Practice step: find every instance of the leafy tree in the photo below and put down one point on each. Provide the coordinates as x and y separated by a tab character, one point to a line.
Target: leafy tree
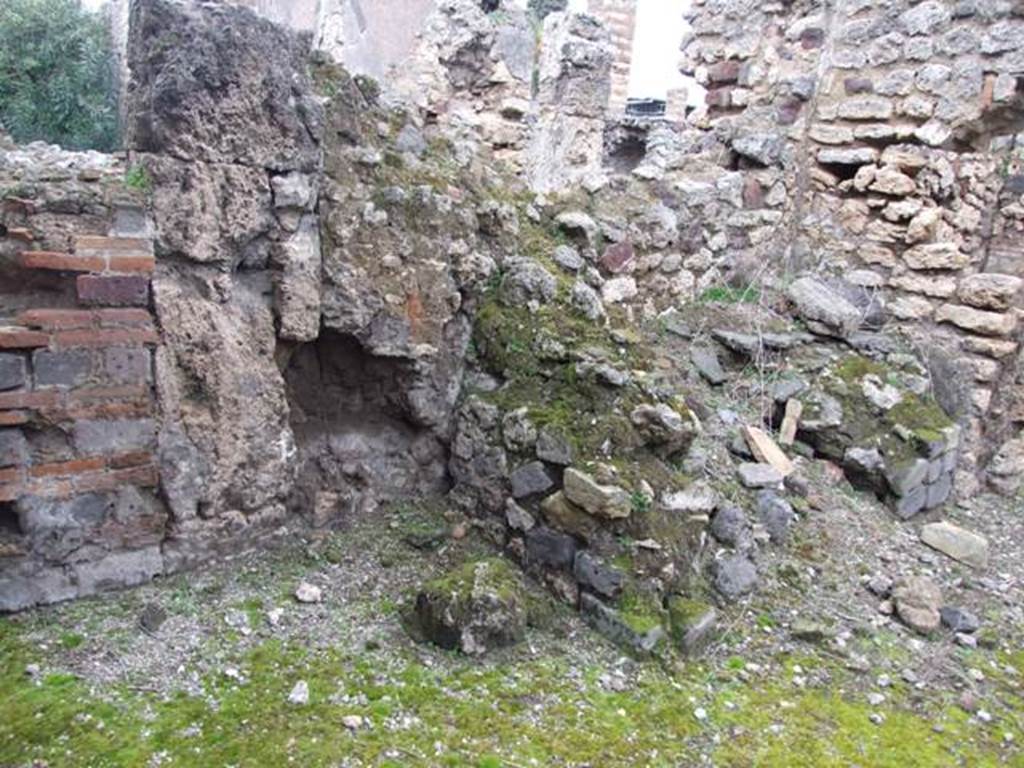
541	8
57	78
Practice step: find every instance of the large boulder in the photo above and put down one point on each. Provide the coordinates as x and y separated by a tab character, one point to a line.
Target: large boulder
480	606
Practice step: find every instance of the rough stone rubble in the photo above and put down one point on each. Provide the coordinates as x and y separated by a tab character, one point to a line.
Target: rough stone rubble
354	303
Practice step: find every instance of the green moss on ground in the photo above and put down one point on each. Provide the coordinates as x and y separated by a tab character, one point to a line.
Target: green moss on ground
918	416
493	575
520	711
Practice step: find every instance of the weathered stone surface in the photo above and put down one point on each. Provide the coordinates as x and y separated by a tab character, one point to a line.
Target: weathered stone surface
225	442
663	428
596	576
892	181
691	623
209	213
966	546
12	371
775	514
568	258
105	437
936	256
217	84
604	501
816	301
959	620
917	601
705	360
308	593
729	526
640	637
549	548
525	280
619	257
554	448
618	290
63	369
866	108
13	448
759	475
562	514
586	300
518	519
990	291
734	576
856	156
530	480
977	320
480	606
763	148
299	284
698	498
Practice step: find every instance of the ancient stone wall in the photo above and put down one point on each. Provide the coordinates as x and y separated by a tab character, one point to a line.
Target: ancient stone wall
78	467
898	128
257	320
619	18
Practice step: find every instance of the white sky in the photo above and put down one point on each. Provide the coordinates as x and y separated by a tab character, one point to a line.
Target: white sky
659	29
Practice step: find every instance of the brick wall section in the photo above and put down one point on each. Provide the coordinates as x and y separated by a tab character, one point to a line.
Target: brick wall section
81	366
78	472
619	17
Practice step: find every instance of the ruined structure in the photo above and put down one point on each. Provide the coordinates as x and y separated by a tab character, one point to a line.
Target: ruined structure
294	301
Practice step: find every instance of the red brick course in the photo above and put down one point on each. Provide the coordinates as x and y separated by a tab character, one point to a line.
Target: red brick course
103	337
13	418
69	478
14	337
77	262
62	319
61	262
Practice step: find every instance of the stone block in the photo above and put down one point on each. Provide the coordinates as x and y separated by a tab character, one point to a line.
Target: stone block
956	542
594	575
639	637
122	569
12	371
531	479
63	369
936	256
866	108
909	505
113	290
13	448
550	548
939	491
990	291
93	437
977	320
127	365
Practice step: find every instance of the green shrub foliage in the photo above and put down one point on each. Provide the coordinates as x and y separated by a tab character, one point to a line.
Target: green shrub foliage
57	75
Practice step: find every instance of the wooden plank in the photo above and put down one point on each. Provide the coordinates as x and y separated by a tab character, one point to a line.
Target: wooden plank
766	451
791	421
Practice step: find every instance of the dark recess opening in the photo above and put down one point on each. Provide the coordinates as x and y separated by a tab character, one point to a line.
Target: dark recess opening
10	527
357	444
625	147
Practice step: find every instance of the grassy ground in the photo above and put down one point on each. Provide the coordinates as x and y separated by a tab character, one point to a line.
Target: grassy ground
82	685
